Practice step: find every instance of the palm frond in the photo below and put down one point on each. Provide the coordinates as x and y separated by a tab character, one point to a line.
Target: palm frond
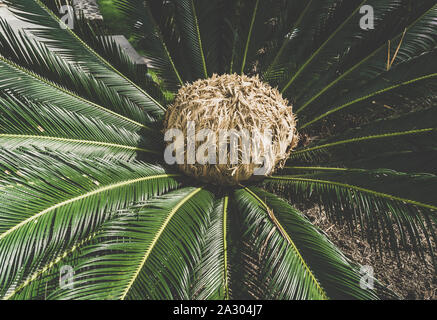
38	59
151	40
212	275
367	56
147	253
396	205
336	18
57	35
253	25
299	262
215	22
26	123
249	36
54	201
291	18
289	275
406	80
107	47
24	82
412	135
187	22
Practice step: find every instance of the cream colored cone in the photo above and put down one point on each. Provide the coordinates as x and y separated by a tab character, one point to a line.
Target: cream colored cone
234	102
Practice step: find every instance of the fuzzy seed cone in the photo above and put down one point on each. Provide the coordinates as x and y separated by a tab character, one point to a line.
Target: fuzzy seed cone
232	102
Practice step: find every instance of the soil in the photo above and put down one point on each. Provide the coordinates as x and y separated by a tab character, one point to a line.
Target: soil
410	278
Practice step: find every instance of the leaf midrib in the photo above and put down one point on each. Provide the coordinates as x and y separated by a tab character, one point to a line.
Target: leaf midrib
249	37
37	77
156	239
49	265
368	96
199	38
379	136
289	240
357	188
80	141
81	197
311	58
225	247
94	53
357	65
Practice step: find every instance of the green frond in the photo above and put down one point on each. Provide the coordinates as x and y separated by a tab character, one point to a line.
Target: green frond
367	58
46	64
212	276
216	32
67	44
151	40
333	275
249	36
46	278
360	76
289	274
24	82
108	48
399	80
26	123
55	201
188	25
342	25
147	253
287	35
253	25
391	207
299	153
382	143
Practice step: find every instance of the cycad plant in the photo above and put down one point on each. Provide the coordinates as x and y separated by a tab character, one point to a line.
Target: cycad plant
89	209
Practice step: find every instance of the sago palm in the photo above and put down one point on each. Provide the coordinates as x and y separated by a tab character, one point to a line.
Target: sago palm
83	182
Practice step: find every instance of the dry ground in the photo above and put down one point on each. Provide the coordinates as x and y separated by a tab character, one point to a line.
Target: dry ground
409	279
